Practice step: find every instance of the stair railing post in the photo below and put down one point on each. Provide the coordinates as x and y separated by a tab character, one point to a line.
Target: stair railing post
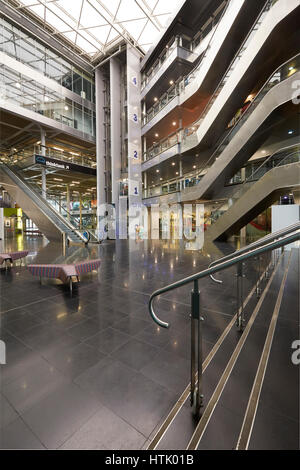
240	296
196	350
258	289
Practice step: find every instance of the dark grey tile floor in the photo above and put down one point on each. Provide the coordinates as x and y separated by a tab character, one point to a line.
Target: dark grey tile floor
92	371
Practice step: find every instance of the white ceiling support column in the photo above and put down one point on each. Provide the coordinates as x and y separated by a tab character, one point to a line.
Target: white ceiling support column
100	144
134	128
115	128
43	152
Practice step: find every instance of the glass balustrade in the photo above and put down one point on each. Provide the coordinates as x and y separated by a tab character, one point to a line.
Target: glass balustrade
254	172
161	146
189	133
181	83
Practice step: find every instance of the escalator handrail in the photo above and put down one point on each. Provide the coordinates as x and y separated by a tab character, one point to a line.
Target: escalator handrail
46	203
246	113
263	241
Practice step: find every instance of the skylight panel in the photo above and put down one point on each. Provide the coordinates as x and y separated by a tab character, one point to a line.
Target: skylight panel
94	24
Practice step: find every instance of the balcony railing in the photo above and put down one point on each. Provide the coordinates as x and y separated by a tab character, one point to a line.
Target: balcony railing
162	146
181	83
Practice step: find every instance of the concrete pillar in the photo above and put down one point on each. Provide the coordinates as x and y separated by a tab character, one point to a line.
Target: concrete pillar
180	175
43	152
68	202
145	184
115	128
1	224
134	128
100	143
80	211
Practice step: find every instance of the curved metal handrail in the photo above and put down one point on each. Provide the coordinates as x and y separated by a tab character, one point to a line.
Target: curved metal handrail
263	241
219	267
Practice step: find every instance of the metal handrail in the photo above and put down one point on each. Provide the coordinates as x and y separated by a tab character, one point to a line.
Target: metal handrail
219	267
263	241
46	204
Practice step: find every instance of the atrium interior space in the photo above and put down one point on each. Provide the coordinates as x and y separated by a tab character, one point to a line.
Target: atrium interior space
149	227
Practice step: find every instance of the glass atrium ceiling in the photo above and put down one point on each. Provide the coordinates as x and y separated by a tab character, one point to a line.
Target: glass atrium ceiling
95	25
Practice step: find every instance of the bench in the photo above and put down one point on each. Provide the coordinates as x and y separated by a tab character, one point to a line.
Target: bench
11	257
63	272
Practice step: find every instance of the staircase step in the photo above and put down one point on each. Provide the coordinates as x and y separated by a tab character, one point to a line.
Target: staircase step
276	423
222	427
177	435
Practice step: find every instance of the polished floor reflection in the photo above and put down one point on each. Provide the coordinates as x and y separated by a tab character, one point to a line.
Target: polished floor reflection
92	370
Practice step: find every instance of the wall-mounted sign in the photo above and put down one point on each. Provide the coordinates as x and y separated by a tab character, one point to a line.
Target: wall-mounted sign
61	165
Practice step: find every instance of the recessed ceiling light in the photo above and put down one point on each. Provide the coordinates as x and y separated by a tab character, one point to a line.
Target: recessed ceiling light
171	82
291	132
177	173
173	163
18	85
155	99
174	123
157	171
156	135
67	108
194	167
46	98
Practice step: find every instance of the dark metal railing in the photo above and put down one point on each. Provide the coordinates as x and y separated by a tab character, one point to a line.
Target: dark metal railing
287	236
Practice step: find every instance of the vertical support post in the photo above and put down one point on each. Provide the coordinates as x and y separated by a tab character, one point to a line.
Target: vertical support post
80	211
68	202
100	145
196	351
258	289
43	152
240	297
115	132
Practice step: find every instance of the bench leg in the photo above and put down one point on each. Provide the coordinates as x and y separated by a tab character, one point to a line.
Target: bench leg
71	285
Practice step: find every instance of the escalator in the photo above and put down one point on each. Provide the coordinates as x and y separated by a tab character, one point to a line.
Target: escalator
249	132
257	193
50	222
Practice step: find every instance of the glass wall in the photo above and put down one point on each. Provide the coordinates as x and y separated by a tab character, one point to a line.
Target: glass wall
29	51
21	90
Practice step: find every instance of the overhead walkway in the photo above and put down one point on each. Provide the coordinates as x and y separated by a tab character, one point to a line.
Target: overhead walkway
209	68
255	196
233	86
28	196
248	133
246	390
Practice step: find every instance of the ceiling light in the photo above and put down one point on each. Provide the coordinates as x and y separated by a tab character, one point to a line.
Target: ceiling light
264	151
171	82
155	99
67	108
291	132
173	164
156	135
194	167
157	171
58	148
177	173
160	179
291	68
46	98
18	85
174	123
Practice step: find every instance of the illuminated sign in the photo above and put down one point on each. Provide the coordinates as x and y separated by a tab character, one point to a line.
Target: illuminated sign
61	165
